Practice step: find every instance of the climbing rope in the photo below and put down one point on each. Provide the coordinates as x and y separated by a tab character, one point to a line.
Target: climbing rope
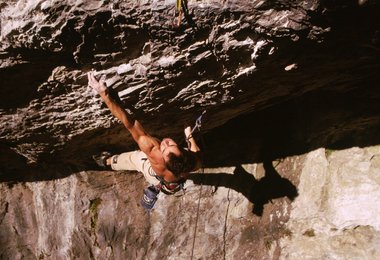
197	217
197	126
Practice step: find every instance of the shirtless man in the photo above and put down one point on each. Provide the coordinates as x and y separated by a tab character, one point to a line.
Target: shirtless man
164	163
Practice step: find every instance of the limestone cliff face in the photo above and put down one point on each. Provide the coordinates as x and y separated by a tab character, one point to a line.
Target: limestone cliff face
245	212
291	92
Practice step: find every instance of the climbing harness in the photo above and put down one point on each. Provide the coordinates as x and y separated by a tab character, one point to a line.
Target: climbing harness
170	188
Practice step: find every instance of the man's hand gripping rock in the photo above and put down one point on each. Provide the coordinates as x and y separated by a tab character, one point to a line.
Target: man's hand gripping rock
98	85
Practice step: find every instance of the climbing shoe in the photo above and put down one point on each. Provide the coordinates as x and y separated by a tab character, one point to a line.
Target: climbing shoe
101	159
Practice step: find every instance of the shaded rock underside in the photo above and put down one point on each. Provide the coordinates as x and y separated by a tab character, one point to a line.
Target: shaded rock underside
308	71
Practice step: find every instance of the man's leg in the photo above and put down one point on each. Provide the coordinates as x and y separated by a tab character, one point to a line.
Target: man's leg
134	161
130	161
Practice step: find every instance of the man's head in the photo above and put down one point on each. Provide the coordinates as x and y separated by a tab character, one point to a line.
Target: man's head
176	164
173	156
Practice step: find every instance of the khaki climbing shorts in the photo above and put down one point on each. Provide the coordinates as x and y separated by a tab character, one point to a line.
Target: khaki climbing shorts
134	161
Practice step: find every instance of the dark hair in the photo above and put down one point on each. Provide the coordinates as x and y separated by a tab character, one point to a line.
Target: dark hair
176	164
180	164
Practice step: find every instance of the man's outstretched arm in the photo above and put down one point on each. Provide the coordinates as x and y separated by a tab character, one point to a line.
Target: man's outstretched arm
145	141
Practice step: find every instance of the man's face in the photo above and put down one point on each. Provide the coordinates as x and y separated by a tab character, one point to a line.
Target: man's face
168	146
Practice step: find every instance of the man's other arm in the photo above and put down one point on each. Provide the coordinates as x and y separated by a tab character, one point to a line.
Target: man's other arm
194	148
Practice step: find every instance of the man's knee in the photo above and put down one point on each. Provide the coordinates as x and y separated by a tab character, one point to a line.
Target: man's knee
114	159
125	161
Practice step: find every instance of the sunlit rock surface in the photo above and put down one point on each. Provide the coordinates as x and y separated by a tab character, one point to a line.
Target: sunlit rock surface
334	213
290	136
337	215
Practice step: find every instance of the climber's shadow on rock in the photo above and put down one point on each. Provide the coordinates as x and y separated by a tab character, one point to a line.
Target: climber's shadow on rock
259	192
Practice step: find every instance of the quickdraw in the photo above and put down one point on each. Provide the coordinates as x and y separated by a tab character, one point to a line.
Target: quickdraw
181	6
198	122
197	126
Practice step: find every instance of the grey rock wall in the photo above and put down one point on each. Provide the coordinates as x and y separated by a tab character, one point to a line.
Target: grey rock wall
290	136
340	191
333	213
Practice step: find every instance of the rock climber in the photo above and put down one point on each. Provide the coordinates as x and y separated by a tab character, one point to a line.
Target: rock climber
163	163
